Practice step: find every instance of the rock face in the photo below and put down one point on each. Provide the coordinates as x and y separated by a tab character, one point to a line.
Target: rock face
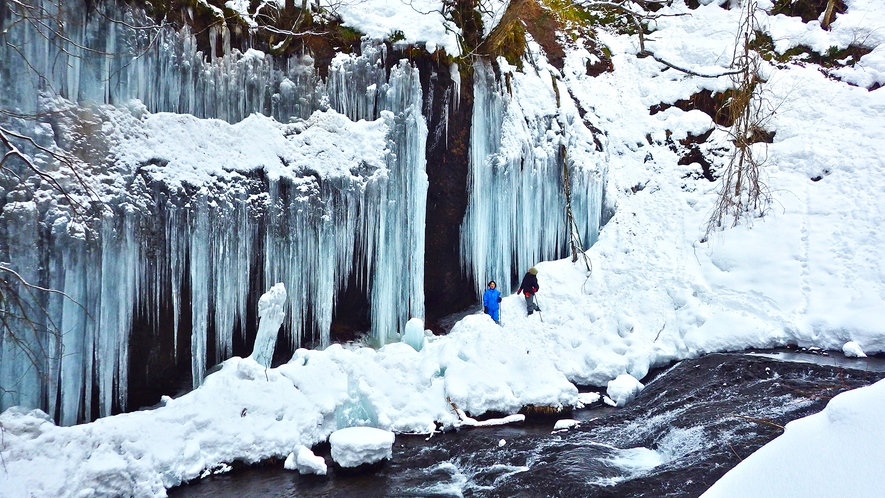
448	109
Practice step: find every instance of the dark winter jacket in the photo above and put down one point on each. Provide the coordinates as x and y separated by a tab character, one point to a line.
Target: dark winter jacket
490	299
529	285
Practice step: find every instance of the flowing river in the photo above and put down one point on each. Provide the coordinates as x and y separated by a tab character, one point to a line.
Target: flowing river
692	423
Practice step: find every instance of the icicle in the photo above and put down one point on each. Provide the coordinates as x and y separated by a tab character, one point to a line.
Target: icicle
455	74
72	334
20	377
113	309
213	42
225	38
397	291
479	230
517	161
176	253
199	275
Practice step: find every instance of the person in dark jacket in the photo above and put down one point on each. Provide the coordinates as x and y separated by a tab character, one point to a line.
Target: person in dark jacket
491	301
529	287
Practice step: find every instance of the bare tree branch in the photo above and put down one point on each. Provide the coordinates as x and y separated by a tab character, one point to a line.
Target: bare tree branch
690	72
743	194
636	18
6	136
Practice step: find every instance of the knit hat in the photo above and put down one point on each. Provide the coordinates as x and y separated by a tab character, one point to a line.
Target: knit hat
533	271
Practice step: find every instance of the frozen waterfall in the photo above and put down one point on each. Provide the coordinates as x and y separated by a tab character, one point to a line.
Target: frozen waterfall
516	212
177	262
200	249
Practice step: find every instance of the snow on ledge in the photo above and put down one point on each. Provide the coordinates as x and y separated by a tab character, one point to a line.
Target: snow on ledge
472	422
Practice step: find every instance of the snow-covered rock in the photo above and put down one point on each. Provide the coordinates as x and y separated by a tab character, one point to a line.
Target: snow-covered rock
565	424
852	349
306	462
588	399
623	389
466	421
357	446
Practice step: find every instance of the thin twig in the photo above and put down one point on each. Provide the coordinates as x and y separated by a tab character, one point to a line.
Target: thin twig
735	452
759	421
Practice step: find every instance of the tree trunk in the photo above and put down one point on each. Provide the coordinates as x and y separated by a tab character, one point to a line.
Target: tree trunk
828	15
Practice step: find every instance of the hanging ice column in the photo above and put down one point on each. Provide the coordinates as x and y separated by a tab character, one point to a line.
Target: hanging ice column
516	211
393	226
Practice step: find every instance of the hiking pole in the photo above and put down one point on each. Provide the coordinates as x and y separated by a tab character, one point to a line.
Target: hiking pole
538	308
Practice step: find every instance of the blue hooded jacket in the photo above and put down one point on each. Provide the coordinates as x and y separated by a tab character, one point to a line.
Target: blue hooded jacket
491	298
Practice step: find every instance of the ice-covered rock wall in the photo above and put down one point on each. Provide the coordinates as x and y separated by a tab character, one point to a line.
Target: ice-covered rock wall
523	136
173	259
141	243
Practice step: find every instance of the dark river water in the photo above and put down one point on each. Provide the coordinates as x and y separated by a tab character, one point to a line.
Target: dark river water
692	423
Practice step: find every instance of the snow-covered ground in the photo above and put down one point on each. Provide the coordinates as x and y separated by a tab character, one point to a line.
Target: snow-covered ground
837	452
810	273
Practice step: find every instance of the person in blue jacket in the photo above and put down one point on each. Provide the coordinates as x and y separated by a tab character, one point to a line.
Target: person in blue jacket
491	301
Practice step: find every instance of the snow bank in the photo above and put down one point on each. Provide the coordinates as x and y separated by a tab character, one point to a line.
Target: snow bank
831	453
